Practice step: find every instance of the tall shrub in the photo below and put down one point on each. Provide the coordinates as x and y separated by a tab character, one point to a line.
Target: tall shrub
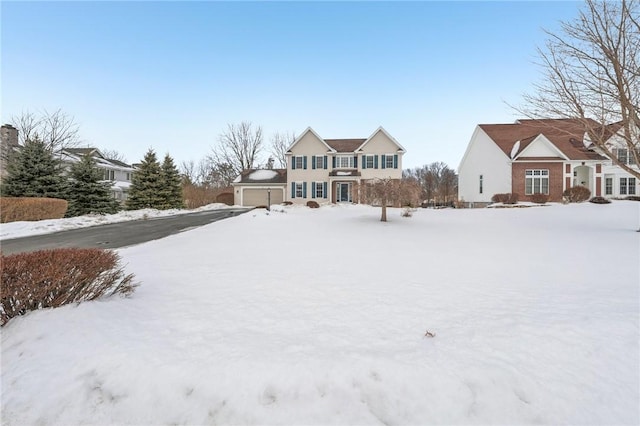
146	184
32	171
85	191
171	185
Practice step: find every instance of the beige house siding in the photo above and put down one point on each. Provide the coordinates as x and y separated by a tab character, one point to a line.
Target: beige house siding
310	145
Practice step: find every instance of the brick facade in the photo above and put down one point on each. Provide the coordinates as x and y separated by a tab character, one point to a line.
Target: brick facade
555	179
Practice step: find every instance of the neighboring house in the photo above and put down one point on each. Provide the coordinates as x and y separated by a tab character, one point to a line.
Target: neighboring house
117	172
541	156
325	170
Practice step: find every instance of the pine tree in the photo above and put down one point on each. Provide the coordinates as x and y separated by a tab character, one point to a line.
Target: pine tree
146	184
85	191
33	171
171	185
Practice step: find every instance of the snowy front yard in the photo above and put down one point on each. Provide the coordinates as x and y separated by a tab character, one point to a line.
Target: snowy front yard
319	317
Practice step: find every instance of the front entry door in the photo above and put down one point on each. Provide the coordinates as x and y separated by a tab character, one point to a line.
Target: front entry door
343	192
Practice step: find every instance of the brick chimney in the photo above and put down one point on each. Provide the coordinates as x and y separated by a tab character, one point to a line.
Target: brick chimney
9	135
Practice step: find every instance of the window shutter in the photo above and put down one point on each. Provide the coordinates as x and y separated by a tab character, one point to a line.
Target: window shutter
375	161
355	161
313	190
364	162
293	190
395	161
304	189
304	162
293	162
384	162
333	162
325	162
313	161
324	190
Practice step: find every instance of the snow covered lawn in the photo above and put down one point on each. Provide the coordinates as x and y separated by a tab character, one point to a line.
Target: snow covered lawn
318	317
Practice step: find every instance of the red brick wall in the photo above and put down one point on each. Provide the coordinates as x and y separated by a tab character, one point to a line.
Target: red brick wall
555	179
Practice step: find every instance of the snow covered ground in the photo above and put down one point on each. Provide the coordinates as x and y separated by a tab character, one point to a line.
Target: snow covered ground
26	228
319	316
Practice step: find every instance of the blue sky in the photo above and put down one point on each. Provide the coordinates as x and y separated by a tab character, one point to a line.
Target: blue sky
171	75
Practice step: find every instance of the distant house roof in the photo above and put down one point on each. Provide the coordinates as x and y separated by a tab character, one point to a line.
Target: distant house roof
83	151
345	145
262	176
566	134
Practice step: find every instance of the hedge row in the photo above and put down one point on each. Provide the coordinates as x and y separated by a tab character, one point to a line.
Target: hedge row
14	209
52	278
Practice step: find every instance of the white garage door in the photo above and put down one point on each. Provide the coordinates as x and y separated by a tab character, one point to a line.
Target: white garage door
259	197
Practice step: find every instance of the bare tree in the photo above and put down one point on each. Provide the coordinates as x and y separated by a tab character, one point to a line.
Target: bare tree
57	129
591	73
388	192
239	147
437	181
280	143
112	154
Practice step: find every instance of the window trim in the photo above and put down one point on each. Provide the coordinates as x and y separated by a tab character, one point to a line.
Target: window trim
319	161
386	161
301	187
537	177
339	161
294	160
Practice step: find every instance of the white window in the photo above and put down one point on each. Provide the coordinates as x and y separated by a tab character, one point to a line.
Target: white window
388	161
627	186
109	175
299	190
536	182
344	162
481	184
608	186
297	162
319	190
623	155
368	161
128	176
319	162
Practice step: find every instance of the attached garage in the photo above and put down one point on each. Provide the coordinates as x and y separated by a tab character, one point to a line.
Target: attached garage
253	187
260	196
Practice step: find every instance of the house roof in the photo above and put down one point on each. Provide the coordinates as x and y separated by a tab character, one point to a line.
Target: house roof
344	145
566	134
262	176
83	151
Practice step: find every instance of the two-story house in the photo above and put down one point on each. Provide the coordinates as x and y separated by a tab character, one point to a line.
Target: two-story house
323	170
542	156
117	172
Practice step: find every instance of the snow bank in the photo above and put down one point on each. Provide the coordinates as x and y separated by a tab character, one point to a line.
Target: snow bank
25	229
319	316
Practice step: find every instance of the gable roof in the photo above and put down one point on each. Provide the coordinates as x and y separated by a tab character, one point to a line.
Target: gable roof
84	151
378	130
566	134
277	176
309	130
344	145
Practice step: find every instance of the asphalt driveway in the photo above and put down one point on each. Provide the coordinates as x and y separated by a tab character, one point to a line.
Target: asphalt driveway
117	235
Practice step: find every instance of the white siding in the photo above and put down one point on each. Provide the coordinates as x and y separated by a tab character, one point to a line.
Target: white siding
483	157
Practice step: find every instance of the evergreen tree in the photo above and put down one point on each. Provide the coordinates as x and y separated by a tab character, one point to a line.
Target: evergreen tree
85	191
32	171
146	184
171	185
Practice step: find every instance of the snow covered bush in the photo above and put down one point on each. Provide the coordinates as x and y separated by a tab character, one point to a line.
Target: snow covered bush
576	194
539	198
13	209
52	278
508	198
407	212
599	200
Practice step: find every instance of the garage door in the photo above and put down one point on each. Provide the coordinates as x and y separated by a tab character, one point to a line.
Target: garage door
258	197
